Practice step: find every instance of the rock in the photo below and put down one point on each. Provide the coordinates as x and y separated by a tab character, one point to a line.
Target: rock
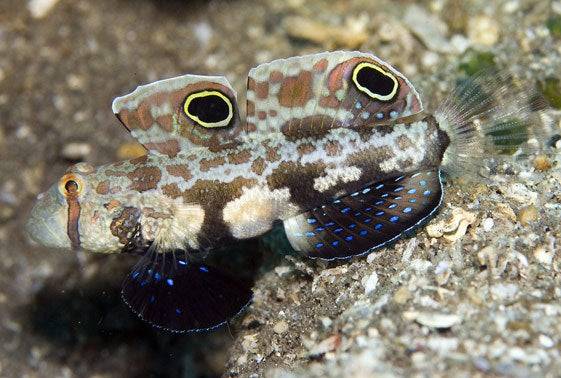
330	344
76	151
40	8
546	341
542	163
527	215
488	224
483	30
434	319
520	193
370	283
543	256
280	327
504	292
430	29
453	228
351	36
402	295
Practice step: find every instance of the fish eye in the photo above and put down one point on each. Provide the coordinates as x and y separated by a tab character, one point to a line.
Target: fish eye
375	82
209	109
70	185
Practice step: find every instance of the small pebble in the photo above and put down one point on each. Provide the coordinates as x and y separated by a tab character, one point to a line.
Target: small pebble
483	30
370	283
330	344
40	8
527	215
76	151
280	327
326	35
542	163
546	341
543	256
437	320
488	224
402	295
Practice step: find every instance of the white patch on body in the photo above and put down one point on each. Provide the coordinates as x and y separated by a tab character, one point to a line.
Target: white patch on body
335	176
171	224
254	212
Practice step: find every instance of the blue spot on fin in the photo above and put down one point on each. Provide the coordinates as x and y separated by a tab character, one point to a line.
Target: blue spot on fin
399	203
181	295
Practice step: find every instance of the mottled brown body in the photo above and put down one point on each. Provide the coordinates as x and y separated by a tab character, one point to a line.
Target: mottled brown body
301	174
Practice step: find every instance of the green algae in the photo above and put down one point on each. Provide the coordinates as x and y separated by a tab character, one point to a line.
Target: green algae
477	61
554	25
551	90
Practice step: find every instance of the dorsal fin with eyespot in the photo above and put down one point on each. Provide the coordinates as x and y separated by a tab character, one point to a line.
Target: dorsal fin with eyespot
181	113
307	95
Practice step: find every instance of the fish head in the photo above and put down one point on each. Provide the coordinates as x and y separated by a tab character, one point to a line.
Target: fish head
70	214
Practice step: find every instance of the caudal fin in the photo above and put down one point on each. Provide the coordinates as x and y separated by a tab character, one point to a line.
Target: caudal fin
487	115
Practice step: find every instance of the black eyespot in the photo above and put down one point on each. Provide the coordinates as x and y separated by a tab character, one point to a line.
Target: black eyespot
209	108
375	82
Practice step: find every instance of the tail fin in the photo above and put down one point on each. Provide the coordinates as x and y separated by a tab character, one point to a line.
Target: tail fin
487	115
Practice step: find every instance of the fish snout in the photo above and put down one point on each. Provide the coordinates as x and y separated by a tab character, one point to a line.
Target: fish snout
47	225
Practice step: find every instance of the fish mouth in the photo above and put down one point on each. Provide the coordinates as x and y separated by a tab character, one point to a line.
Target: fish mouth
46	224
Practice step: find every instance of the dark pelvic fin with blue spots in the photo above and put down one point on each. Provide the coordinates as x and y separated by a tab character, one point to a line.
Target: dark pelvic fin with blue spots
361	222
179	295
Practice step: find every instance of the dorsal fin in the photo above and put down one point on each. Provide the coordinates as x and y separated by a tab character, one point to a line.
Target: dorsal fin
178	114
306	95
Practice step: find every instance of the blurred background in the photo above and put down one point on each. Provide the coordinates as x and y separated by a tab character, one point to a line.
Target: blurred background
481	299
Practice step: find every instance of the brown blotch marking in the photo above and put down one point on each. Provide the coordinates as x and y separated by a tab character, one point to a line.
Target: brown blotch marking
171	190
213	195
126	224
262	90
250	127
262	115
300	181
403	142
272	113
321	65
112	205
144	178
329	102
239	157
271	154
276	77
207	164
102	188
306	148
169	148
258	166
333	148
308	127
139	160
179	170
165	122
296	91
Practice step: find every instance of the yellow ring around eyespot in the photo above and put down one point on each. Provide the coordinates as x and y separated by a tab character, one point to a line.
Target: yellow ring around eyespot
196	119
387	97
70	177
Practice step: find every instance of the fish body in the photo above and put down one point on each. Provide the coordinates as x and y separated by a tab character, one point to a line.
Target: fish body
334	145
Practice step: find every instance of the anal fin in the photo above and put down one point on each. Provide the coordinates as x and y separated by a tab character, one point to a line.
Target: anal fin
180	295
360	222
